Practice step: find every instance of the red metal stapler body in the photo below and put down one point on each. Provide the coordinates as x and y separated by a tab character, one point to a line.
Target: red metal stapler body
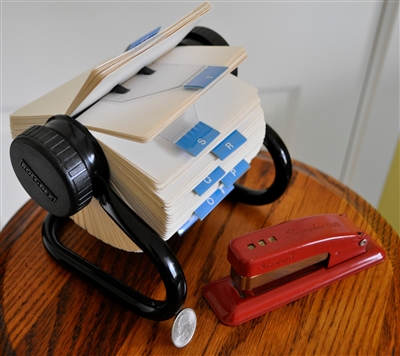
282	263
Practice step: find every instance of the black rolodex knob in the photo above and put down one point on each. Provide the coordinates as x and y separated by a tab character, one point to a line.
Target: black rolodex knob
57	164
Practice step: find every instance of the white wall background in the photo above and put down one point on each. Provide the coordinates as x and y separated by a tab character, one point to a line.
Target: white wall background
328	72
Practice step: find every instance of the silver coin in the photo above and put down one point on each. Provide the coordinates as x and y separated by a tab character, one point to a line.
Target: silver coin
184	327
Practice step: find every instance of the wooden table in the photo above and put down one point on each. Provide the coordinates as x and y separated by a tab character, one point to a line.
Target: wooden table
46	310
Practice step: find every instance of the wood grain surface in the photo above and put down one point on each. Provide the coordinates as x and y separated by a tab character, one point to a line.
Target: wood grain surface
46	310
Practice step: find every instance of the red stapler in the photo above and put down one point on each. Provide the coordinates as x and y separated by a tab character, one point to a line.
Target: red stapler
282	263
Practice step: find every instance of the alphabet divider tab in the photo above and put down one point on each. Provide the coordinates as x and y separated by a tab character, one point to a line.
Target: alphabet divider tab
143	38
235	173
229	145
197	138
205	77
187	224
212	201
209	181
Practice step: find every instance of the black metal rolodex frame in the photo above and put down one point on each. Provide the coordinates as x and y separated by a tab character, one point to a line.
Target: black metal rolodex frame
143	235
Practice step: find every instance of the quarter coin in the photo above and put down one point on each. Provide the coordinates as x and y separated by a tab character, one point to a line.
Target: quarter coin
184	327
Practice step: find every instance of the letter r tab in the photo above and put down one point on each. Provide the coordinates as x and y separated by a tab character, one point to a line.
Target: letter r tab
229	145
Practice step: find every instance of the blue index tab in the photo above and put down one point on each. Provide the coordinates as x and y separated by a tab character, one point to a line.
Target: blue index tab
229	145
143	38
212	201
235	173
187	225
205	77
208	181
197	138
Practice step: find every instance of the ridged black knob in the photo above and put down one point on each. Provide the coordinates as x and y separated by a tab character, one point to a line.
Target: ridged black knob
54	163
